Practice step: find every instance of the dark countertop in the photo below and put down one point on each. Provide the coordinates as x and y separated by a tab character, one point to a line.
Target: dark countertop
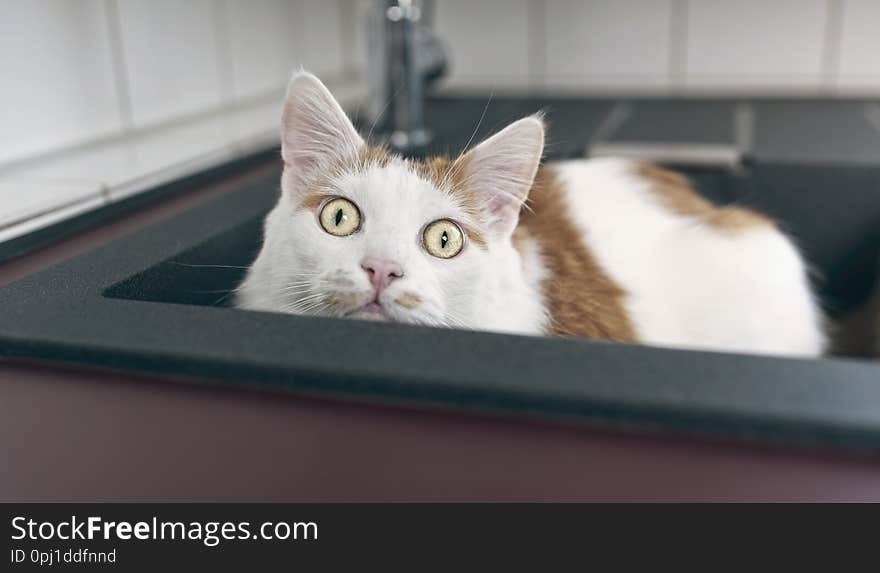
840	132
75	433
843	132
455	121
85	435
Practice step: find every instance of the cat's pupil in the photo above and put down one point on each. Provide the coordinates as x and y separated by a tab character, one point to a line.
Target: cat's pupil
338	217
444	238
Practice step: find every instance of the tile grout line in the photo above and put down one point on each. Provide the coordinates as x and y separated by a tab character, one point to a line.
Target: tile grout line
271	96
118	63
348	21
220	13
830	58
678	45
537	43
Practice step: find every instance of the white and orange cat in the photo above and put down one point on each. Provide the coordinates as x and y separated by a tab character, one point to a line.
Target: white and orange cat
492	240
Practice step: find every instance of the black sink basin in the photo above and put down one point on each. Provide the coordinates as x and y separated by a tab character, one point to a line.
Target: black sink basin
157	302
842	245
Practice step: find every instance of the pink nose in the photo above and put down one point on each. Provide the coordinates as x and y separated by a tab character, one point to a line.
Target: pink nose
381	272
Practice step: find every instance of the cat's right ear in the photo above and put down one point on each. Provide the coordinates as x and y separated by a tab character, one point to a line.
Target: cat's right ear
315	131
502	170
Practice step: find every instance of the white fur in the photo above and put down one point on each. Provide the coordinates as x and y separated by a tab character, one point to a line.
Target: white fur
688	284
301	267
476	289
505	166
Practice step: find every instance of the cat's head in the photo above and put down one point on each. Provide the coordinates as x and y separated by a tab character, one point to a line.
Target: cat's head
362	233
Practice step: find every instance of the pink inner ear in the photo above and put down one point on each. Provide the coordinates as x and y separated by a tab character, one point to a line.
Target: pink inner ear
500	205
503	214
316	129
298	160
503	169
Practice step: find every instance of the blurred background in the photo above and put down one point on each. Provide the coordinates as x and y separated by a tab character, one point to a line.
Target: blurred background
103	99
116	115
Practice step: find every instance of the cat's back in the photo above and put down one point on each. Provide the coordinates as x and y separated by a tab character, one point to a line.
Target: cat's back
679	270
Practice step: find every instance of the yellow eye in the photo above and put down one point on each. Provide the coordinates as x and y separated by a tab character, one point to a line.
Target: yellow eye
443	239
340	217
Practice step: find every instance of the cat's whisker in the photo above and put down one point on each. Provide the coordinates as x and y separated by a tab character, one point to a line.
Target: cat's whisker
304	287
382	111
203	266
304	274
295	290
555	286
299	305
220	300
458	164
480	121
313	308
455	320
311	297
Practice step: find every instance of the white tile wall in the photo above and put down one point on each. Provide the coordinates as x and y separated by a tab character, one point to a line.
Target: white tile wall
56	75
608	43
64	83
755	43
354	19
34	197
322	21
38	194
62	212
859	68
73	71
658	46
265	43
489	41
170	50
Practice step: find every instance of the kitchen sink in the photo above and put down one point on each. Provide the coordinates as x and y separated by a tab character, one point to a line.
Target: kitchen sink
158	301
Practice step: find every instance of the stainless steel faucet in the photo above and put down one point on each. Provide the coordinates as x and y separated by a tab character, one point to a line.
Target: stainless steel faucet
404	55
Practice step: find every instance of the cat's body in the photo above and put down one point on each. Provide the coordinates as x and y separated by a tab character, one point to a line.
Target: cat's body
688	273
604	248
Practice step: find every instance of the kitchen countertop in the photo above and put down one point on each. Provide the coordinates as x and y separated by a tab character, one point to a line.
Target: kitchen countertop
814	131
80	434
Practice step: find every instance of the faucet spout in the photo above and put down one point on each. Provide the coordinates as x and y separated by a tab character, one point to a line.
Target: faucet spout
404	56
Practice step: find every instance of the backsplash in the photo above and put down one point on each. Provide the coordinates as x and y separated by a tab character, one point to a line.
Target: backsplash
75	71
715	47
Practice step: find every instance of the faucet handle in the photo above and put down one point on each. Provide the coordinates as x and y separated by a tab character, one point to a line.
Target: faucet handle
404	10
405	55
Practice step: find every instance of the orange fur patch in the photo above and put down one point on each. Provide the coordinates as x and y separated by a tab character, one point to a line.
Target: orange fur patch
677	194
582	299
409	300
371	156
449	174
341	300
443	172
322	190
312	201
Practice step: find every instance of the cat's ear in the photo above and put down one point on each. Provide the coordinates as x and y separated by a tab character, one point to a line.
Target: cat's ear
501	170
315	131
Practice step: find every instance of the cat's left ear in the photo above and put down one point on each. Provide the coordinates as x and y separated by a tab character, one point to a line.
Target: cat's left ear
315	130
502	170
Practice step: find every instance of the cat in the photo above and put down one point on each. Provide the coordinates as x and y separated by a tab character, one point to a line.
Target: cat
492	240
